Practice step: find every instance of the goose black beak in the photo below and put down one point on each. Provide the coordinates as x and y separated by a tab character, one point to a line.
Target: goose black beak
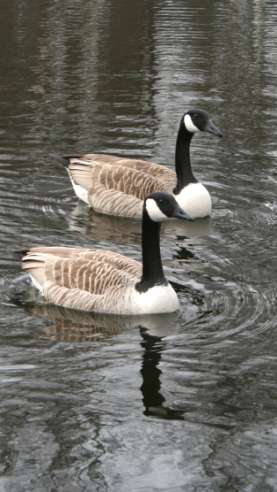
181	214
211	128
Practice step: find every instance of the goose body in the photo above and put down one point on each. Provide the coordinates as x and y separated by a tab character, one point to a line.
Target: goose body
117	186
108	282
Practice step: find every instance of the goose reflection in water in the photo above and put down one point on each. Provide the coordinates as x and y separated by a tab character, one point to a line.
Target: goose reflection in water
71	326
68	325
99	227
153	399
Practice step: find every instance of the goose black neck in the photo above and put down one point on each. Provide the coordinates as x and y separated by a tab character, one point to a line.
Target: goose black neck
152	269
182	159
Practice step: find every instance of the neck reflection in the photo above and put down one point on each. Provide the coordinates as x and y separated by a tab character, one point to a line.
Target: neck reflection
152	397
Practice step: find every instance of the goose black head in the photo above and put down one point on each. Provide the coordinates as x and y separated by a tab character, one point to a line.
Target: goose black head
161	206
197	120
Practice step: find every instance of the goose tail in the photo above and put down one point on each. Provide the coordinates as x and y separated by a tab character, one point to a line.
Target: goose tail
34	264
68	159
64	160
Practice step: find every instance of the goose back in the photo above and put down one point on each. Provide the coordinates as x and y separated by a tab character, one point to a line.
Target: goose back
90	280
117	186
117	189
163	173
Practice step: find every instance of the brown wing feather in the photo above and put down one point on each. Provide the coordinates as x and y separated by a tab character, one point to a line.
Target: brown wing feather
87	167
113	202
152	168
115	259
127	180
94	277
118	190
93	271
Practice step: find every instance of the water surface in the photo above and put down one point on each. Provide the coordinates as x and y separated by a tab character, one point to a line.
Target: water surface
177	402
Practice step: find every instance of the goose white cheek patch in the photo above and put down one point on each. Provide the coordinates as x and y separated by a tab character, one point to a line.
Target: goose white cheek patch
190	126
153	211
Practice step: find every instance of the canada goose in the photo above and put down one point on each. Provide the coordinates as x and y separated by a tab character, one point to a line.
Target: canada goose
108	282
117	186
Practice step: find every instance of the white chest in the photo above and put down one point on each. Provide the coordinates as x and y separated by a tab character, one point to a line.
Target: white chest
158	299
195	200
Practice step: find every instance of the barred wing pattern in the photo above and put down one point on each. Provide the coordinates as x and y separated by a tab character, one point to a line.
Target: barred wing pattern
117	186
114	203
90	280
163	173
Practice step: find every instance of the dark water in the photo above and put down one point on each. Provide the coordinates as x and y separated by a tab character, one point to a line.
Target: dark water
182	402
